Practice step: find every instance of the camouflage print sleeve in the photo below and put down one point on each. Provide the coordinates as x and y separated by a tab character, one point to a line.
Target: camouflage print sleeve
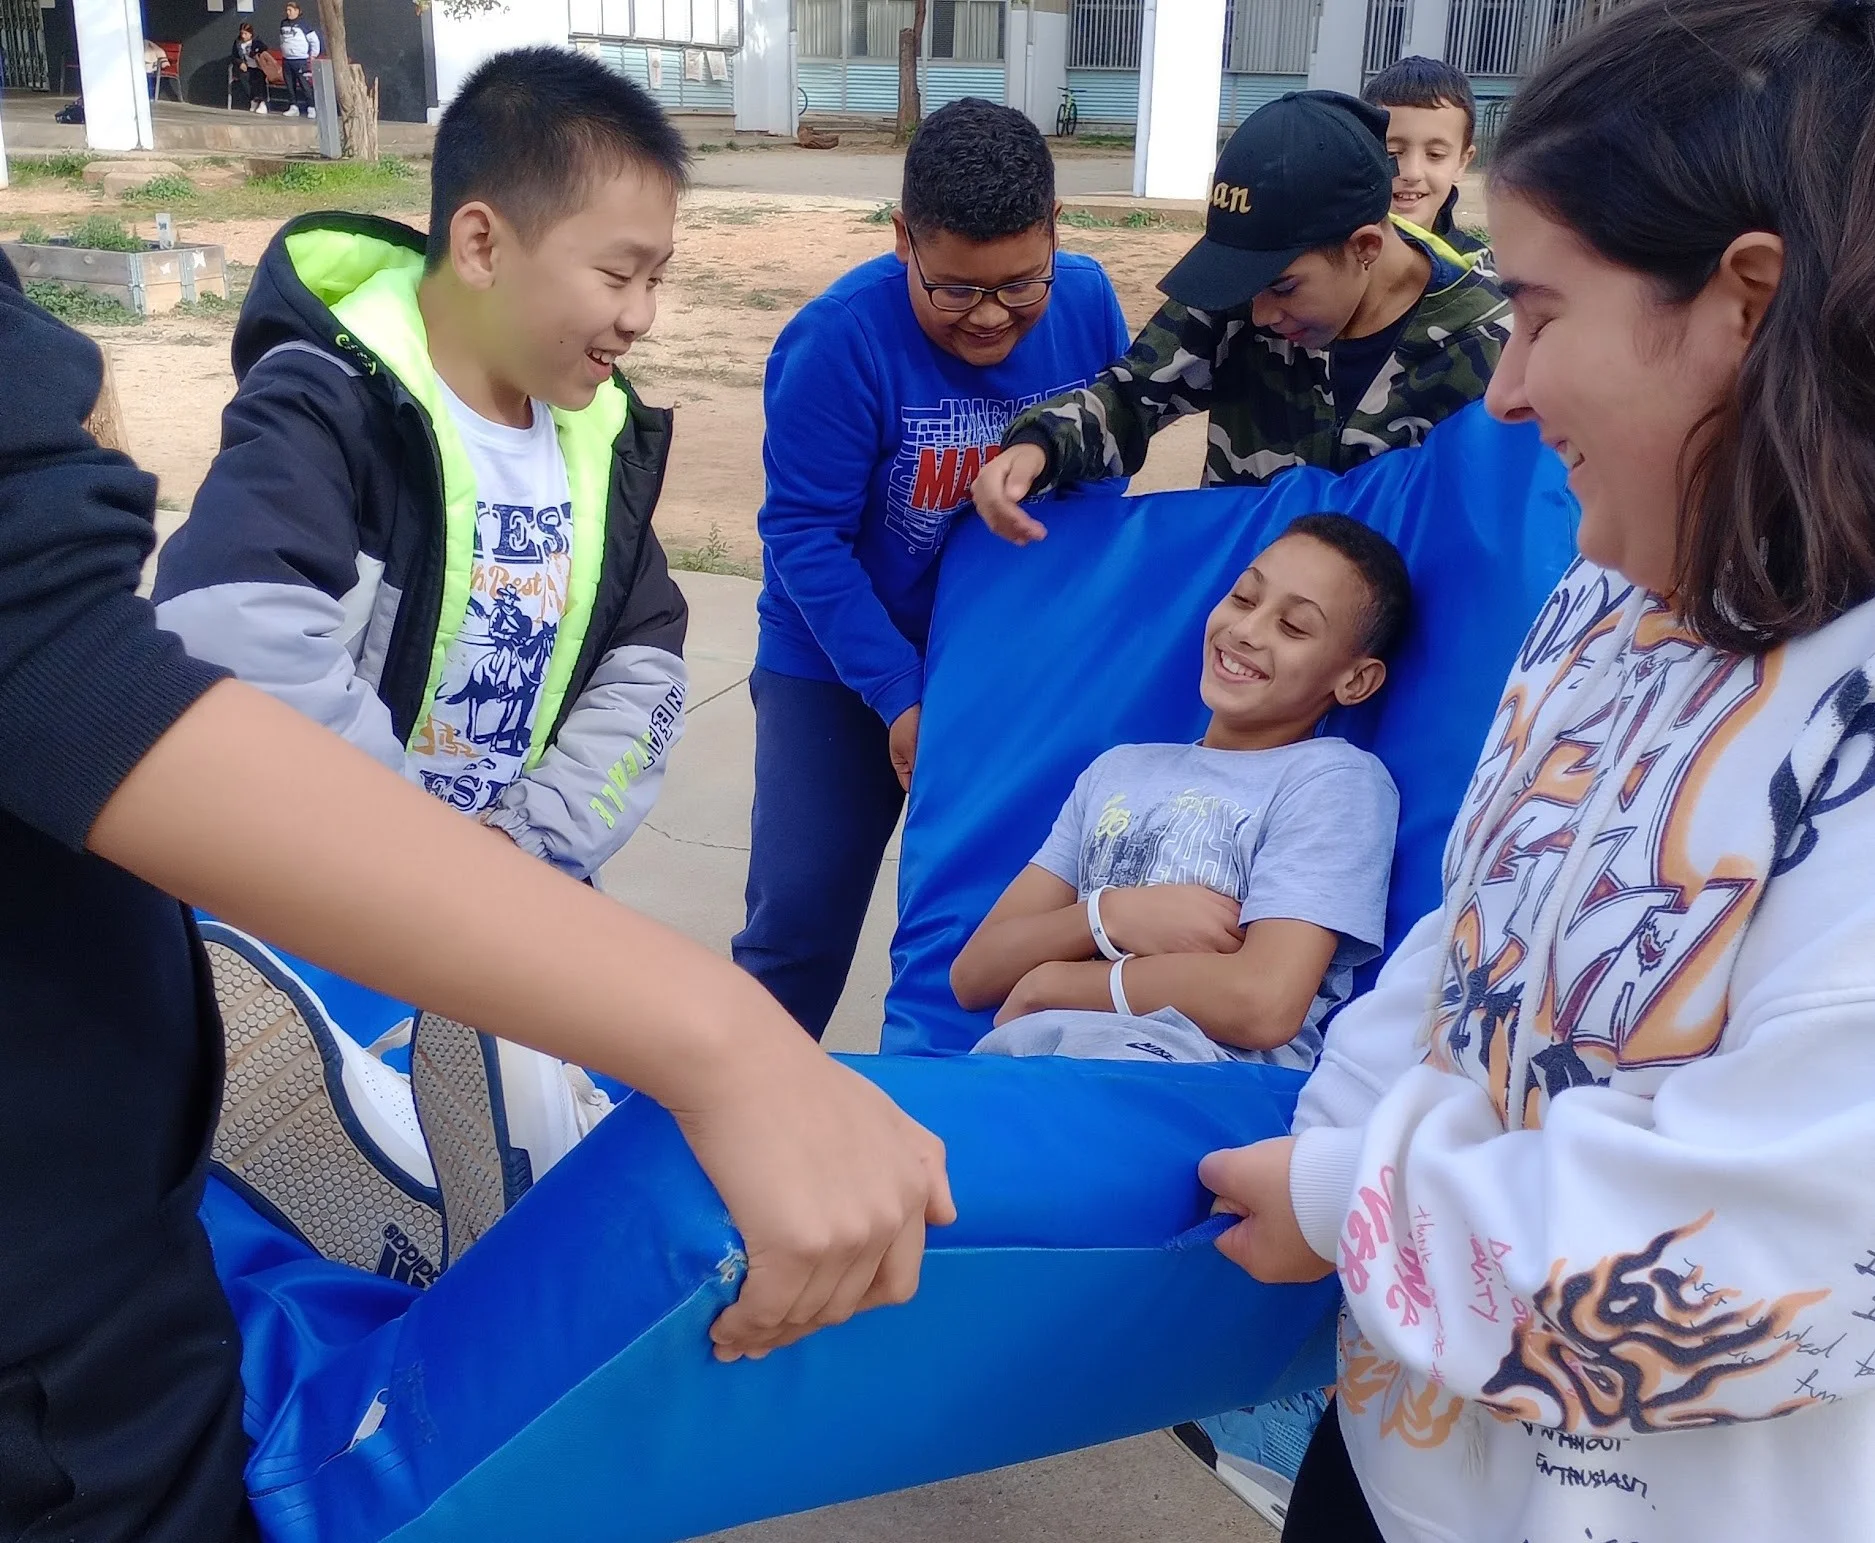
1102	430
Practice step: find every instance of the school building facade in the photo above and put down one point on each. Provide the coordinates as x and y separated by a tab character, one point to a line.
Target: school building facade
763	64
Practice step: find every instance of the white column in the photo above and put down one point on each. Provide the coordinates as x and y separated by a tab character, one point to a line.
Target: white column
459	44
110	57
1181	79
1426	28
763	74
1340	47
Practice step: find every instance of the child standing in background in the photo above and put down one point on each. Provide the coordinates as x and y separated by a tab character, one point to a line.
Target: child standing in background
884	397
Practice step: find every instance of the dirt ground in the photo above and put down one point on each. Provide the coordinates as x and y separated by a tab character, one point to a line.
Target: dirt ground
744	265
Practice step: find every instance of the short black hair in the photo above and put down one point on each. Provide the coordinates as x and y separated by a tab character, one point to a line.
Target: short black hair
532	129
978	170
1382	570
1417	81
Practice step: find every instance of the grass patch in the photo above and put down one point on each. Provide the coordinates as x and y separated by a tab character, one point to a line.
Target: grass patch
101	233
68	166
34	234
1143	219
209	308
712	557
1104	141
166	189
74	304
339	177
1080	219
761	300
880	216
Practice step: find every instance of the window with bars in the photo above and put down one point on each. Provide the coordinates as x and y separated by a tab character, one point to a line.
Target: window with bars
1512	37
1104	34
703	23
1269	37
963	31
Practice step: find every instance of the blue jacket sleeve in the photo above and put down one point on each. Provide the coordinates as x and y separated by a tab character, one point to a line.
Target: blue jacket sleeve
88	682
825	401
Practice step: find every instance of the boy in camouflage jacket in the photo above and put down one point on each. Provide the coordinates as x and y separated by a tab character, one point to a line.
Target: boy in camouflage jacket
1315	329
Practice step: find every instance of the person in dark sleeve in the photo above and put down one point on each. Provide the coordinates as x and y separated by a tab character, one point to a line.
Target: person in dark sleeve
129	769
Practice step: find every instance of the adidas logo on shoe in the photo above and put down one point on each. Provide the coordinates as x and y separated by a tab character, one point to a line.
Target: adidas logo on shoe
403	1261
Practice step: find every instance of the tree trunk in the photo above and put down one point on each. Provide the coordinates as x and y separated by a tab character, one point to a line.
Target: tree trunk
910	48
106	423
358	123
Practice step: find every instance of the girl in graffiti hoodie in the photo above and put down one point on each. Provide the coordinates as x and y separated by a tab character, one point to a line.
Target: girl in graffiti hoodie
1593	1158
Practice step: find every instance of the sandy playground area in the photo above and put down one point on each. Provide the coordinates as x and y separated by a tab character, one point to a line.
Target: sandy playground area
745	263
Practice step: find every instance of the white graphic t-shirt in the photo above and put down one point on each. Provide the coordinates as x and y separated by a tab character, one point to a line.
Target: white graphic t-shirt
474	742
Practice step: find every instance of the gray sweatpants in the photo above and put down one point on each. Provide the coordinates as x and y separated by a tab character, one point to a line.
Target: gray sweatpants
1085	1035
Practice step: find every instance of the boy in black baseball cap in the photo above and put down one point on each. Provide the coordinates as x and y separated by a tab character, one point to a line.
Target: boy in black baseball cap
1315	328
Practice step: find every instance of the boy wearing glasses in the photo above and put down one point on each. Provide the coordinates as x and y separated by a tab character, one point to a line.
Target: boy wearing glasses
884	397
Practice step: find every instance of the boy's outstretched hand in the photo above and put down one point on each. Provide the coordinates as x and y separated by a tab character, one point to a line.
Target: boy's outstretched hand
832	1187
1253	1182
257	814
1004	482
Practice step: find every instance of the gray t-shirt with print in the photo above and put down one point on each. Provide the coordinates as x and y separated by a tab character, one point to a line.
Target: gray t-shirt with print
1303	832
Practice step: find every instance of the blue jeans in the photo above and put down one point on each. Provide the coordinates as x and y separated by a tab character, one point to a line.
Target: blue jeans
299	81
826	803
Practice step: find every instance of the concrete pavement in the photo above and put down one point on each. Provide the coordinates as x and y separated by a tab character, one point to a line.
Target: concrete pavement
686	867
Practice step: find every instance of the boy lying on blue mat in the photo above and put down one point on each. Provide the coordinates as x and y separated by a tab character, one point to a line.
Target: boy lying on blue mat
1210	902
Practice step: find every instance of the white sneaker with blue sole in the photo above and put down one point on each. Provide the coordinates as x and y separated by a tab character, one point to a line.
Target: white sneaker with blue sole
316	1132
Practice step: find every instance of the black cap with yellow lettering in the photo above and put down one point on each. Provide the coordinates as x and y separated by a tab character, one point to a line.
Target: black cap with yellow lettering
1306	171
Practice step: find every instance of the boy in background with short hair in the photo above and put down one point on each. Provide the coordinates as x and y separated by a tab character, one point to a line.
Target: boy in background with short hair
429	529
1313	327
1432	136
884	396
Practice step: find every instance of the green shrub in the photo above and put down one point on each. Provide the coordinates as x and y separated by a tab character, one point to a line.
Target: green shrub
168	188
103	234
77	305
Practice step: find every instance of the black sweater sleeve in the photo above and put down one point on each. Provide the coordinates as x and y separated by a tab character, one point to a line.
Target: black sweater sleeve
88	682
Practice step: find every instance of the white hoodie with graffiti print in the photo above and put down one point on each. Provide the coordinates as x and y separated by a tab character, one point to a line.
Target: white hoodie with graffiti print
1596	1158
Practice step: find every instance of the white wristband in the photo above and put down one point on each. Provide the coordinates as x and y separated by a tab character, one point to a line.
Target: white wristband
1117	987
1098	928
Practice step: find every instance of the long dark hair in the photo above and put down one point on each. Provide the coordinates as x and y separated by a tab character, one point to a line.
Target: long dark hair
1659	137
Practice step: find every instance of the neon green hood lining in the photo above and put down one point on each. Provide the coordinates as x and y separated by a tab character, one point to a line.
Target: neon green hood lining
370	286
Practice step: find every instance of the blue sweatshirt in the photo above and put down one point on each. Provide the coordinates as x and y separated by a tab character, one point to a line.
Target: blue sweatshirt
874	437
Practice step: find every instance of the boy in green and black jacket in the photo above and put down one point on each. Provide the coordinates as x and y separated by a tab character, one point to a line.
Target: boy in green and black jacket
1313	327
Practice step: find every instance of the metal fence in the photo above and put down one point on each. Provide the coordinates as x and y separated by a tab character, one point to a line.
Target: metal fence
1512	37
1269	37
23	46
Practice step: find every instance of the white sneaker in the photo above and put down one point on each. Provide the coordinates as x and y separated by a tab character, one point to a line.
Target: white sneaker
312	112
496	1116
314	1130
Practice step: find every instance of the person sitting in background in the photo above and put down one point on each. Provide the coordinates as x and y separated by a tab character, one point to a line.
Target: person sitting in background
154	61
245	71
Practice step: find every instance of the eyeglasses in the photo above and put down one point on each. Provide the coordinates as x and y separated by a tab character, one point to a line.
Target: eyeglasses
1018	295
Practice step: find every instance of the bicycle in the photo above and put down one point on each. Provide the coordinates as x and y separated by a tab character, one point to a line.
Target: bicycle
1068	115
